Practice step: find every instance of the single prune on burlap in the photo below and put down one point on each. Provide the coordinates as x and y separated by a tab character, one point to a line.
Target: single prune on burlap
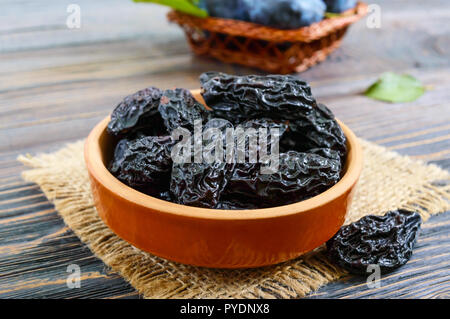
386	241
299	176
138	111
237	98
144	163
179	109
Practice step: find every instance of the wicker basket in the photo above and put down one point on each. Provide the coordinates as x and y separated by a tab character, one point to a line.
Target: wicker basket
269	49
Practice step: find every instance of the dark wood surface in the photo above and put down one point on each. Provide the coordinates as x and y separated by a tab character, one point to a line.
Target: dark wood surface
57	83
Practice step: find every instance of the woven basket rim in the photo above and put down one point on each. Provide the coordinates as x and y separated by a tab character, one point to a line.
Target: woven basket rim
256	31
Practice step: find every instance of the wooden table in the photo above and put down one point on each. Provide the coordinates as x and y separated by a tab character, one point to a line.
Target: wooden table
56	83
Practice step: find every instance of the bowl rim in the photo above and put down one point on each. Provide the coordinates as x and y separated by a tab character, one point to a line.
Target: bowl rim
96	167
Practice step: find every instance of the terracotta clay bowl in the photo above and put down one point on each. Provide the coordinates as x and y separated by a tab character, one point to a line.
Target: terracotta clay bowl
211	237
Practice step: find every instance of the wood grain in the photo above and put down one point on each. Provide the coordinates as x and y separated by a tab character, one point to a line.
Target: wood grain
57	83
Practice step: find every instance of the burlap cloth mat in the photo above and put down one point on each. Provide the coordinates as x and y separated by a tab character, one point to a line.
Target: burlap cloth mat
388	181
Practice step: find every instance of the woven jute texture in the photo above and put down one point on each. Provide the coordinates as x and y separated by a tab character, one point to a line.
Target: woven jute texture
388	181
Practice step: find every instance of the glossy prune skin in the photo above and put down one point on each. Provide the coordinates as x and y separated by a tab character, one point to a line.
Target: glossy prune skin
339	6
300	176
202	184
138	111
304	153
179	108
119	156
286	14
199	184
386	241
230	9
164	195
237	98
318	129
144	163
279	97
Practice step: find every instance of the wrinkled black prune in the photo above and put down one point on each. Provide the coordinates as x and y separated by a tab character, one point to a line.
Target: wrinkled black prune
144	163
287	14
164	195
138	111
236	98
339	6
299	177
261	123
199	184
179	108
386	241
326	152
255	135
319	129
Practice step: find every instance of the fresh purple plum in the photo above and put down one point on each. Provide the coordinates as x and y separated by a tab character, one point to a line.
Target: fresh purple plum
281	14
286	14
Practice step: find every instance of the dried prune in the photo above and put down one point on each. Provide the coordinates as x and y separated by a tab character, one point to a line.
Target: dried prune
119	156
299	177
338	6
386	241
199	184
281	14
269	124
326	152
138	111
236	98
281	97
164	195
231	9
256	136
179	108
144	163
286	14
215	139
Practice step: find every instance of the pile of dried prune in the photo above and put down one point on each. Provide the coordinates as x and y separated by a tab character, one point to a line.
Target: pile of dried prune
265	142
386	241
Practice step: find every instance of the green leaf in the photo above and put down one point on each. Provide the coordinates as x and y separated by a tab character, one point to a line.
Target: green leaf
180	5
396	88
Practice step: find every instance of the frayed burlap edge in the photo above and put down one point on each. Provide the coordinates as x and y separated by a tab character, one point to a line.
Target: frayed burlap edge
388	181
